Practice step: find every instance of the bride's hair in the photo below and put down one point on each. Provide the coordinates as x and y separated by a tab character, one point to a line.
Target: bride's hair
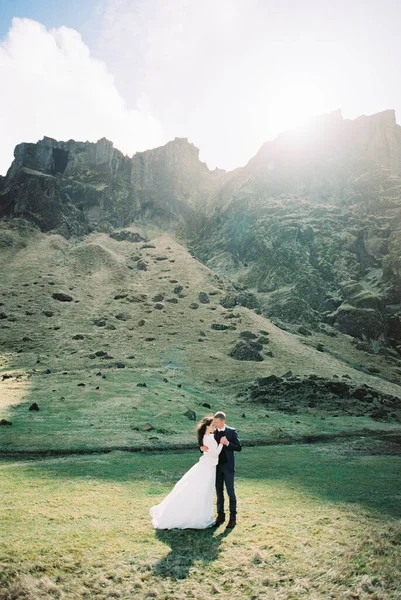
201	428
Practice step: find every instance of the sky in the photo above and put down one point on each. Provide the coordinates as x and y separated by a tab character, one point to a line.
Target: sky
226	74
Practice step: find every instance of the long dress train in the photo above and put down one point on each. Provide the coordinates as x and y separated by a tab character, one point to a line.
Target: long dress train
189	505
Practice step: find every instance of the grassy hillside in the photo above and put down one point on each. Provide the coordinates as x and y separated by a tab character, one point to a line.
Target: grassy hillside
119	359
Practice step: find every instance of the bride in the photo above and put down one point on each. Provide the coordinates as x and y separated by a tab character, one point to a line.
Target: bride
189	505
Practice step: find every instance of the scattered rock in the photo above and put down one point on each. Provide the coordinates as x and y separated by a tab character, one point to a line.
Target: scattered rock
100	323
150	339
172	300
120	296
62	297
178	289
143	385
248	335
219	326
81	385
78	336
159	306
246	351
331	396
34	406
141	323
5	422
122	317
127	236
48	313
120	365
141	265
147	427
204	298
191	414
194	306
158	298
206	405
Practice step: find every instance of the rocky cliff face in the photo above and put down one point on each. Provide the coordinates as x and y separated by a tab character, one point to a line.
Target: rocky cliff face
309	229
312	227
75	186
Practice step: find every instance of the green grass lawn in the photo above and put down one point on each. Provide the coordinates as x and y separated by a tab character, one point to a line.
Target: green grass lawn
314	522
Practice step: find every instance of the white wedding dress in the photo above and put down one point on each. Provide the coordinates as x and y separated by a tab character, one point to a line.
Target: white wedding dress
189	505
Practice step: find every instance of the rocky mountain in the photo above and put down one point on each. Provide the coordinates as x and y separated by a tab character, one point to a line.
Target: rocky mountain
308	233
312	226
73	187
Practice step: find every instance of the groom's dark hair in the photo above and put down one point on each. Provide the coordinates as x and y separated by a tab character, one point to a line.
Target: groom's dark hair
220	415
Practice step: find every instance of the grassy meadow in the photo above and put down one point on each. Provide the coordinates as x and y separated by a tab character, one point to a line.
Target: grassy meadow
315	521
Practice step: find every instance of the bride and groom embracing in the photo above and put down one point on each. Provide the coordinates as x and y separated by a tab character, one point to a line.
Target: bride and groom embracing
190	503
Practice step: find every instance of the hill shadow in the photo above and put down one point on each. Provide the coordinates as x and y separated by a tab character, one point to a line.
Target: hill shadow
335	474
187	547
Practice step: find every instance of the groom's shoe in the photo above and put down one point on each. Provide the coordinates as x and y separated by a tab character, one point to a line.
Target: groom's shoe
232	522
220	519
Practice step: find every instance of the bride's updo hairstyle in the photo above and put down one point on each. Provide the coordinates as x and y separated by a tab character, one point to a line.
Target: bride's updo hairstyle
201	428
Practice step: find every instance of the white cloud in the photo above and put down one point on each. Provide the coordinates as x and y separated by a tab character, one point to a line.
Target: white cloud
230	74
51	85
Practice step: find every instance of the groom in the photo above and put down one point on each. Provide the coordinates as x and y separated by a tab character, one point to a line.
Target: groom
225	469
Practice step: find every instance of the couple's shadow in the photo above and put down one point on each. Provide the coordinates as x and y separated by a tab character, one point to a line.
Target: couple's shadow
188	546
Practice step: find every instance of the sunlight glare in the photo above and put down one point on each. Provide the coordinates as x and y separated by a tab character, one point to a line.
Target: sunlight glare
296	99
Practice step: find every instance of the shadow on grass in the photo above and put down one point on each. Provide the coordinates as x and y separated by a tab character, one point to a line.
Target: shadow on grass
188	547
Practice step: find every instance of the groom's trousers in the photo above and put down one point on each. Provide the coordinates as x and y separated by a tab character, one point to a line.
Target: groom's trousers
225	477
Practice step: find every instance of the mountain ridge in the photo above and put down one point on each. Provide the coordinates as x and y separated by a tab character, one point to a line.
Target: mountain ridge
310	228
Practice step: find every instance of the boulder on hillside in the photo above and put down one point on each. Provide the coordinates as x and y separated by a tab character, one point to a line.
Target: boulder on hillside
248	335
61	297
204	298
246	351
219	327
359	322
127	236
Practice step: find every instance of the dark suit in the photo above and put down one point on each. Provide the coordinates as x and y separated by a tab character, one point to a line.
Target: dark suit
226	468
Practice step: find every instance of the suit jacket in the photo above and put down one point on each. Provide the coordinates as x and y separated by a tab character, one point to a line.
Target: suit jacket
226	457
